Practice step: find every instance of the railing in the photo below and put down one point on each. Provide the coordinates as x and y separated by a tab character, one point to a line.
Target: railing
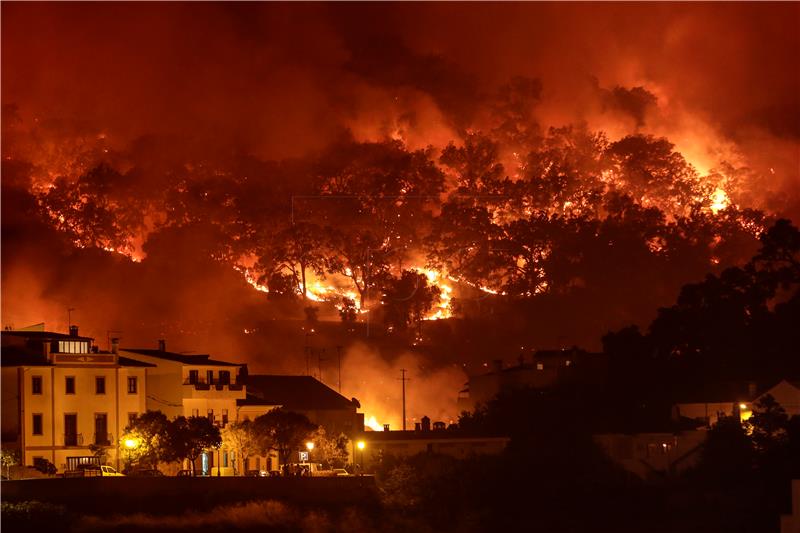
73	439
203	384
103	439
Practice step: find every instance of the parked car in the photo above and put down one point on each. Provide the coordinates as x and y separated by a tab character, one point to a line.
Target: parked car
108	471
184	473
340	472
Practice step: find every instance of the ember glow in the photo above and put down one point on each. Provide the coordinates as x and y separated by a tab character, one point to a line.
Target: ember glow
521	155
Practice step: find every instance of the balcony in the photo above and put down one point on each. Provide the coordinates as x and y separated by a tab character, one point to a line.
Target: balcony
73	439
203	388
103	439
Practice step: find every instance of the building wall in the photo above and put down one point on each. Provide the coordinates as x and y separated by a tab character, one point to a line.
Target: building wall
10	404
53	403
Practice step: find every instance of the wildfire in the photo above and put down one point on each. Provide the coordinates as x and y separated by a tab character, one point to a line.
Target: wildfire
442	308
372	423
719	200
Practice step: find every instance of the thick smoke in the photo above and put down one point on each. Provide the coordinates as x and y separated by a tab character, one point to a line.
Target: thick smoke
375	382
167	93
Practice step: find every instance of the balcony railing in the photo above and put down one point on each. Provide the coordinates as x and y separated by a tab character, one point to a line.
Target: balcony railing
103	439
204	384
73	439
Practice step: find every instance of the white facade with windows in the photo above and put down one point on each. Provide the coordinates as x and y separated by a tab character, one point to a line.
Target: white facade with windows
58	404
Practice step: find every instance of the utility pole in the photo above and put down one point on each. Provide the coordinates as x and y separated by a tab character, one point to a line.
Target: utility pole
69	316
339	355
403	378
320	359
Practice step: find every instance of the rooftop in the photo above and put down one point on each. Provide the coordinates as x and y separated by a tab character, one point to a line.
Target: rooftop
186	359
293	393
43	335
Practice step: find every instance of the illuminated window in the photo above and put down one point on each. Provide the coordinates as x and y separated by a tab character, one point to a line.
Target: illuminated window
132	385
36	426
99	385
539	366
69	385
36	384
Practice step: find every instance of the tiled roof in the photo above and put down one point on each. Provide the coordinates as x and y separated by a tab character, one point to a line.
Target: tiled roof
199	359
294	393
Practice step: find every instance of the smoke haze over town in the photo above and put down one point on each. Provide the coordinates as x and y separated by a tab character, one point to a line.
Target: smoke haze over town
555	172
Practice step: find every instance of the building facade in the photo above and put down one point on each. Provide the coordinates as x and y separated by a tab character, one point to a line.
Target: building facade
62	397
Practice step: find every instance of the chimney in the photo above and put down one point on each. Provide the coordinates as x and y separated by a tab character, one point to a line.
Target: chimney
162	345
497	365
386	427
73	331
114	345
426	423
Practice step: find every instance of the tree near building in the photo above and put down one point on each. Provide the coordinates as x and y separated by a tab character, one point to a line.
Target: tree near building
330	450
242	440
283	431
187	438
145	440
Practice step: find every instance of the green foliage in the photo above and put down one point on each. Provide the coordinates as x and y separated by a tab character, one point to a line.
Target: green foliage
283	431
187	438
149	434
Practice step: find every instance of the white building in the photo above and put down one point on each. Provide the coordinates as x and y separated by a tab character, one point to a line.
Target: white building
61	396
193	385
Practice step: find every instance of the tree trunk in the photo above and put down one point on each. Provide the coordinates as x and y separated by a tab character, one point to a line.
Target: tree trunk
303	276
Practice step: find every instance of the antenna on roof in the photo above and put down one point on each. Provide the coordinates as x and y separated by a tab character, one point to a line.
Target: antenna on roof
69	316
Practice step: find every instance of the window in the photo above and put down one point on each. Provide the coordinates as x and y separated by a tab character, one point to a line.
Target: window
539	366
193	376
99	385
69	385
73	347
36	384
224	377
225	459
224	417
195	412
132	385
132	418
209	376
211	415
101	429
37	424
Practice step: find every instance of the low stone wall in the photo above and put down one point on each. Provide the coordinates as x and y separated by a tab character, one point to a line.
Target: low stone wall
103	495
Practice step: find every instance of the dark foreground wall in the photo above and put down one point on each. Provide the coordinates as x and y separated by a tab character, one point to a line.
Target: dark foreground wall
100	495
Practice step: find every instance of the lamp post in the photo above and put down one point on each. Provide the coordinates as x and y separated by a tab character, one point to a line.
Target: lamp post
361	445
219	460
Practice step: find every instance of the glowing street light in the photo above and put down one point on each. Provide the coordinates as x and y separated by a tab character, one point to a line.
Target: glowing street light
131	443
309	445
361	445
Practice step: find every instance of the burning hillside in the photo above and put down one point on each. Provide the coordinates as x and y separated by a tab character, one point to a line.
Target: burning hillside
558	177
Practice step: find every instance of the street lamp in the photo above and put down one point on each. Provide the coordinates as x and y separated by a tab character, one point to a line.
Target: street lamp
361	445
309	445
131	443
